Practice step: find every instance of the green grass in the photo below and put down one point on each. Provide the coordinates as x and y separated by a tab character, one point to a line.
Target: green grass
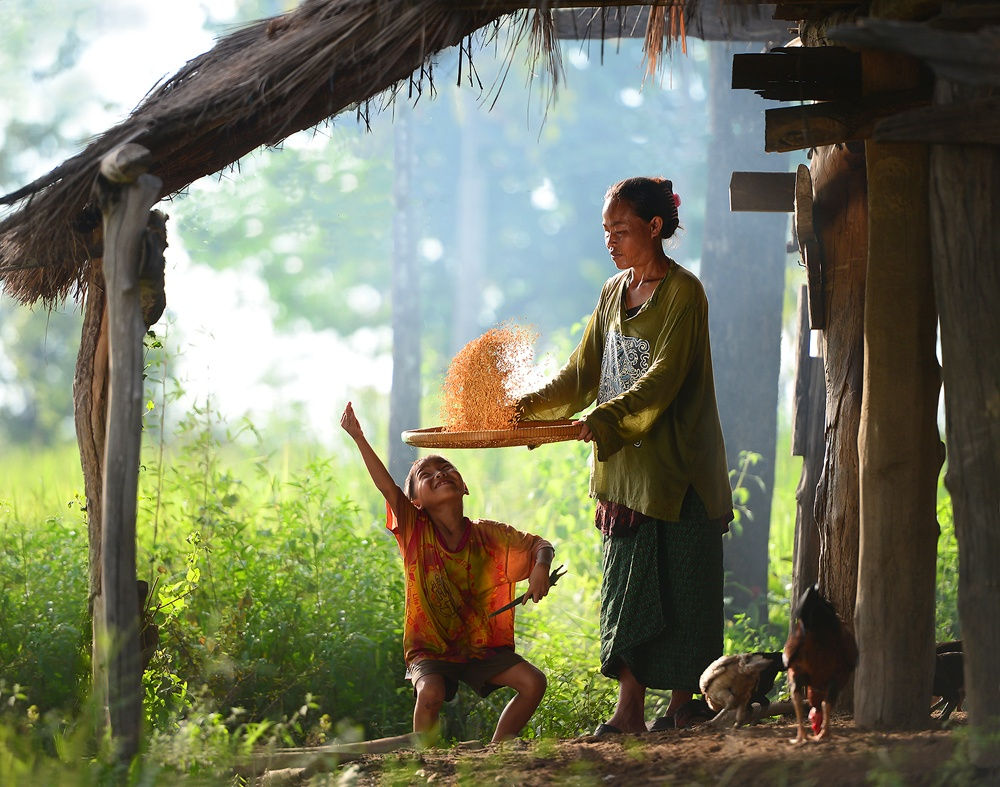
278	597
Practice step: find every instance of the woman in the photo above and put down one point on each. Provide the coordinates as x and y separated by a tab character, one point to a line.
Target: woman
659	473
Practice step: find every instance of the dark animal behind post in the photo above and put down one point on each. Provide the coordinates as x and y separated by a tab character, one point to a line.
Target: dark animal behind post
949	682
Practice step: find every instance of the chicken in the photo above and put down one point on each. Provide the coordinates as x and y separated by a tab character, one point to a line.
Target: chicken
820	655
731	683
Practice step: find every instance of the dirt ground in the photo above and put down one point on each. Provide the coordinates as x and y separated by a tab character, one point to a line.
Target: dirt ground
757	755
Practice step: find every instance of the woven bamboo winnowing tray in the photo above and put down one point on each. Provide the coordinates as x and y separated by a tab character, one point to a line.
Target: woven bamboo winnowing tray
525	433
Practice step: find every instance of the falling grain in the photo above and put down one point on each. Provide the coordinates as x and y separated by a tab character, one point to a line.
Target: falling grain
484	379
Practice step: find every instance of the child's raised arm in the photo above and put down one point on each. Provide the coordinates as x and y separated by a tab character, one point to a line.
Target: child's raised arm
376	469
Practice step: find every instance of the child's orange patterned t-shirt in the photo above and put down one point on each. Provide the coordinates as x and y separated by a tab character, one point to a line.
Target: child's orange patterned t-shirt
450	594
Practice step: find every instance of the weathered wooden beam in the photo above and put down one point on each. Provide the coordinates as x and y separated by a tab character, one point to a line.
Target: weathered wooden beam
764	192
716	20
826	73
966	58
125	197
965	123
806	9
830	122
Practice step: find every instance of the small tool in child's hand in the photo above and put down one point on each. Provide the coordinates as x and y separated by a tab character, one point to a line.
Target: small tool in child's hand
553	578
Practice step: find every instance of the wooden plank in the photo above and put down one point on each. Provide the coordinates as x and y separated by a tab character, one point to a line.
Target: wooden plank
808	9
765	192
126	209
967	58
800	74
830	122
969	123
716	21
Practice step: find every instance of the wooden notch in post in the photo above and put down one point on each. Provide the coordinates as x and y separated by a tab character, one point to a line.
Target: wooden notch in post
126	195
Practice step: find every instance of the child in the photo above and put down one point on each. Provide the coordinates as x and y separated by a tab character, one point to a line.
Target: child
457	572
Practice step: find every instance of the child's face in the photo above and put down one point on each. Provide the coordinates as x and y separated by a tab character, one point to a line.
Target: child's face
437	480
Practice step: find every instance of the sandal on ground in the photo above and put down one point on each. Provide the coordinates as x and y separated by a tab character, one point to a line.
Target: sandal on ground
605	730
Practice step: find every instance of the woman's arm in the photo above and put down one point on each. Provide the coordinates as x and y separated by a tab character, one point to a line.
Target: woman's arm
575	385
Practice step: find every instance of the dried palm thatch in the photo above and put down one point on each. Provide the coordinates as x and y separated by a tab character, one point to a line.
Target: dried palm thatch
254	88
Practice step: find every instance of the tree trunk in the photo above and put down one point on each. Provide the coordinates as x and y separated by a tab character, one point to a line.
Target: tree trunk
90	406
125	204
404	395
965	232
840	214
470	185
807	442
743	269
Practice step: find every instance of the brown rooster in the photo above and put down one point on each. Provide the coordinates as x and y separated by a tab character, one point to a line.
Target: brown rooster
820	655
730	683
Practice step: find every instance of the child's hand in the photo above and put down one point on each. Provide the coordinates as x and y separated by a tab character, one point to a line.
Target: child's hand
538	583
349	423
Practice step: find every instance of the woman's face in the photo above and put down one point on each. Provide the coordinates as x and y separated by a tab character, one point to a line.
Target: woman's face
630	239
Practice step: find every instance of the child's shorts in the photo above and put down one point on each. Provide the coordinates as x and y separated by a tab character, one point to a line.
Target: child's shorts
476	673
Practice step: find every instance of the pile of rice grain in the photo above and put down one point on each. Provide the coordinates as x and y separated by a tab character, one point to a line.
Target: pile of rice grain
484	379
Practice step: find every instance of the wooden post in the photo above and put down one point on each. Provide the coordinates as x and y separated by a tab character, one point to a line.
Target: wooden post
807	442
965	233
900	451
840	215
126	197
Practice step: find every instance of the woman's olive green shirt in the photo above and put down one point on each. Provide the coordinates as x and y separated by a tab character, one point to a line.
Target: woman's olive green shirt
656	424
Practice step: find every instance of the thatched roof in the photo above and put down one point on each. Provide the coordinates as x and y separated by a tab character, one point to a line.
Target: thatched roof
254	88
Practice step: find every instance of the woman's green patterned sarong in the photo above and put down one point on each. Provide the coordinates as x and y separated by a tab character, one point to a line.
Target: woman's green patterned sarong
661	600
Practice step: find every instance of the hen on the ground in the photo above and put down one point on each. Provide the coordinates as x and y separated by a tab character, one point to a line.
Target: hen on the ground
731	683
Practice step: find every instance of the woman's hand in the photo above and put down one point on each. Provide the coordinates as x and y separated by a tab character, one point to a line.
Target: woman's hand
585	434
538	583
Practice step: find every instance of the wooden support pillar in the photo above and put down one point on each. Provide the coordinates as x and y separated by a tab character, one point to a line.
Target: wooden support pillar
900	451
125	196
965	232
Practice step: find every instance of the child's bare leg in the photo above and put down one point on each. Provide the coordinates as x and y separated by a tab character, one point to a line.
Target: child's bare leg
630	712
430	698
529	682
